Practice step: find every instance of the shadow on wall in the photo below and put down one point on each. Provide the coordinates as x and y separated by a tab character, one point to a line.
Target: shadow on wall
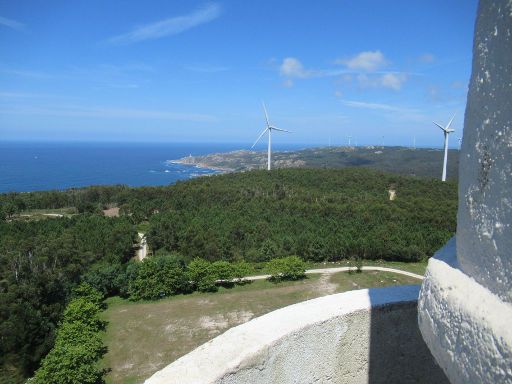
397	352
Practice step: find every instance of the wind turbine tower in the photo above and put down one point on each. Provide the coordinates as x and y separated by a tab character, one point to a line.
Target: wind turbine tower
446	130
268	128
349	138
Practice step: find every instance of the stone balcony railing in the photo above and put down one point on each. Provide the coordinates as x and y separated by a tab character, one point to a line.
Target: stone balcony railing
364	336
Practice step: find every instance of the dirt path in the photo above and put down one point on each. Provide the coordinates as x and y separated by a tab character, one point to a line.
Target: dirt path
142	252
346	269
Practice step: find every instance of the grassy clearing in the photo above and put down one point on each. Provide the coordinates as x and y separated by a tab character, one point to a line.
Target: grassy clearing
144	337
39	214
143	227
419	267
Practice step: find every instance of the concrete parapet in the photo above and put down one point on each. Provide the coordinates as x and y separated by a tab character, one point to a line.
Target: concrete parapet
364	336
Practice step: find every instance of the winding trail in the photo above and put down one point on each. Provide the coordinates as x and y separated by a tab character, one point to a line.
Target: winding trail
142	252
345	269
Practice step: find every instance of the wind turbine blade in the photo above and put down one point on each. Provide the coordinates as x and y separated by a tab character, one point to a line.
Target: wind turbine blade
259	137
279	129
448	126
266	114
439	125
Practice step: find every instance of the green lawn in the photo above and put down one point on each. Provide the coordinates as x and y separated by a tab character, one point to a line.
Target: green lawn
144	337
418	267
38	214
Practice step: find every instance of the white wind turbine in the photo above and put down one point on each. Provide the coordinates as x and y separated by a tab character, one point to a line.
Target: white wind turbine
446	130
269	128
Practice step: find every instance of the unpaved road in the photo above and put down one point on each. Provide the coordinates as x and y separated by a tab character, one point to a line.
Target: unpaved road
345	269
142	252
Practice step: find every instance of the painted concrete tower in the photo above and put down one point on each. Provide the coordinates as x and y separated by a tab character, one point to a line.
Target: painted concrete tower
465	304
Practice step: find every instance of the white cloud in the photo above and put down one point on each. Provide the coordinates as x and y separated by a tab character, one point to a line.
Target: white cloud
292	67
393	80
427	58
13	24
288	83
387	80
365	105
169	27
366	61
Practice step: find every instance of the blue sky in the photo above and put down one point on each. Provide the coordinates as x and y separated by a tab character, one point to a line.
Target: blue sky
195	71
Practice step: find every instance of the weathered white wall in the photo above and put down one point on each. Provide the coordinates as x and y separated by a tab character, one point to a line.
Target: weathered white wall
365	336
466	326
484	223
464	309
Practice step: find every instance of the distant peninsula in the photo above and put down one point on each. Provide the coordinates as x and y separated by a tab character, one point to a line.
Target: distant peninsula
402	160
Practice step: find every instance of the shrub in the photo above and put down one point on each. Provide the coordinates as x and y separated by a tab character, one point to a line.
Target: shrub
78	345
287	268
202	275
223	270
84	311
157	277
109	279
241	270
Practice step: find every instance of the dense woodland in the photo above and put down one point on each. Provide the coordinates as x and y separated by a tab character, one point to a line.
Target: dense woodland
255	216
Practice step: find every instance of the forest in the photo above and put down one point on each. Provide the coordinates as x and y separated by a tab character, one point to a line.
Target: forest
254	217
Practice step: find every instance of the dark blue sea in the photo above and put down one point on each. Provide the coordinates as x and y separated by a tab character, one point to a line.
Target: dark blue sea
26	167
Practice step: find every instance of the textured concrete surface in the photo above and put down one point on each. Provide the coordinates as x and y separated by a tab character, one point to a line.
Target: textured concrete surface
484	223
365	336
466	326
464	309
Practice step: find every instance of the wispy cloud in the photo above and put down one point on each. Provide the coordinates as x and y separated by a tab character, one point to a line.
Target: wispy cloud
389	80
292	68
168	27
13	24
25	73
395	112
375	106
207	68
426	58
106	112
365	61
362	67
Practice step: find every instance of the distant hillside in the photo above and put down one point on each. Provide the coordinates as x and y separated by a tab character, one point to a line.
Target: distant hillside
401	160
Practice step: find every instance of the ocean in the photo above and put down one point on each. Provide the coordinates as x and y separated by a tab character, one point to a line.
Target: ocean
26	167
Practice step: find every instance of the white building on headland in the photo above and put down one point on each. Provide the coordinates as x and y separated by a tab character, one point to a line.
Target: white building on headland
459	330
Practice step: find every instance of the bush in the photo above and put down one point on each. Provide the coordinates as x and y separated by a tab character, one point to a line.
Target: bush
78	345
287	268
86	291
157	277
202	275
223	270
241	270
84	311
109	279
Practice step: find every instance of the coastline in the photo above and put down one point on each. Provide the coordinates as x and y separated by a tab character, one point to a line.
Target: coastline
201	165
